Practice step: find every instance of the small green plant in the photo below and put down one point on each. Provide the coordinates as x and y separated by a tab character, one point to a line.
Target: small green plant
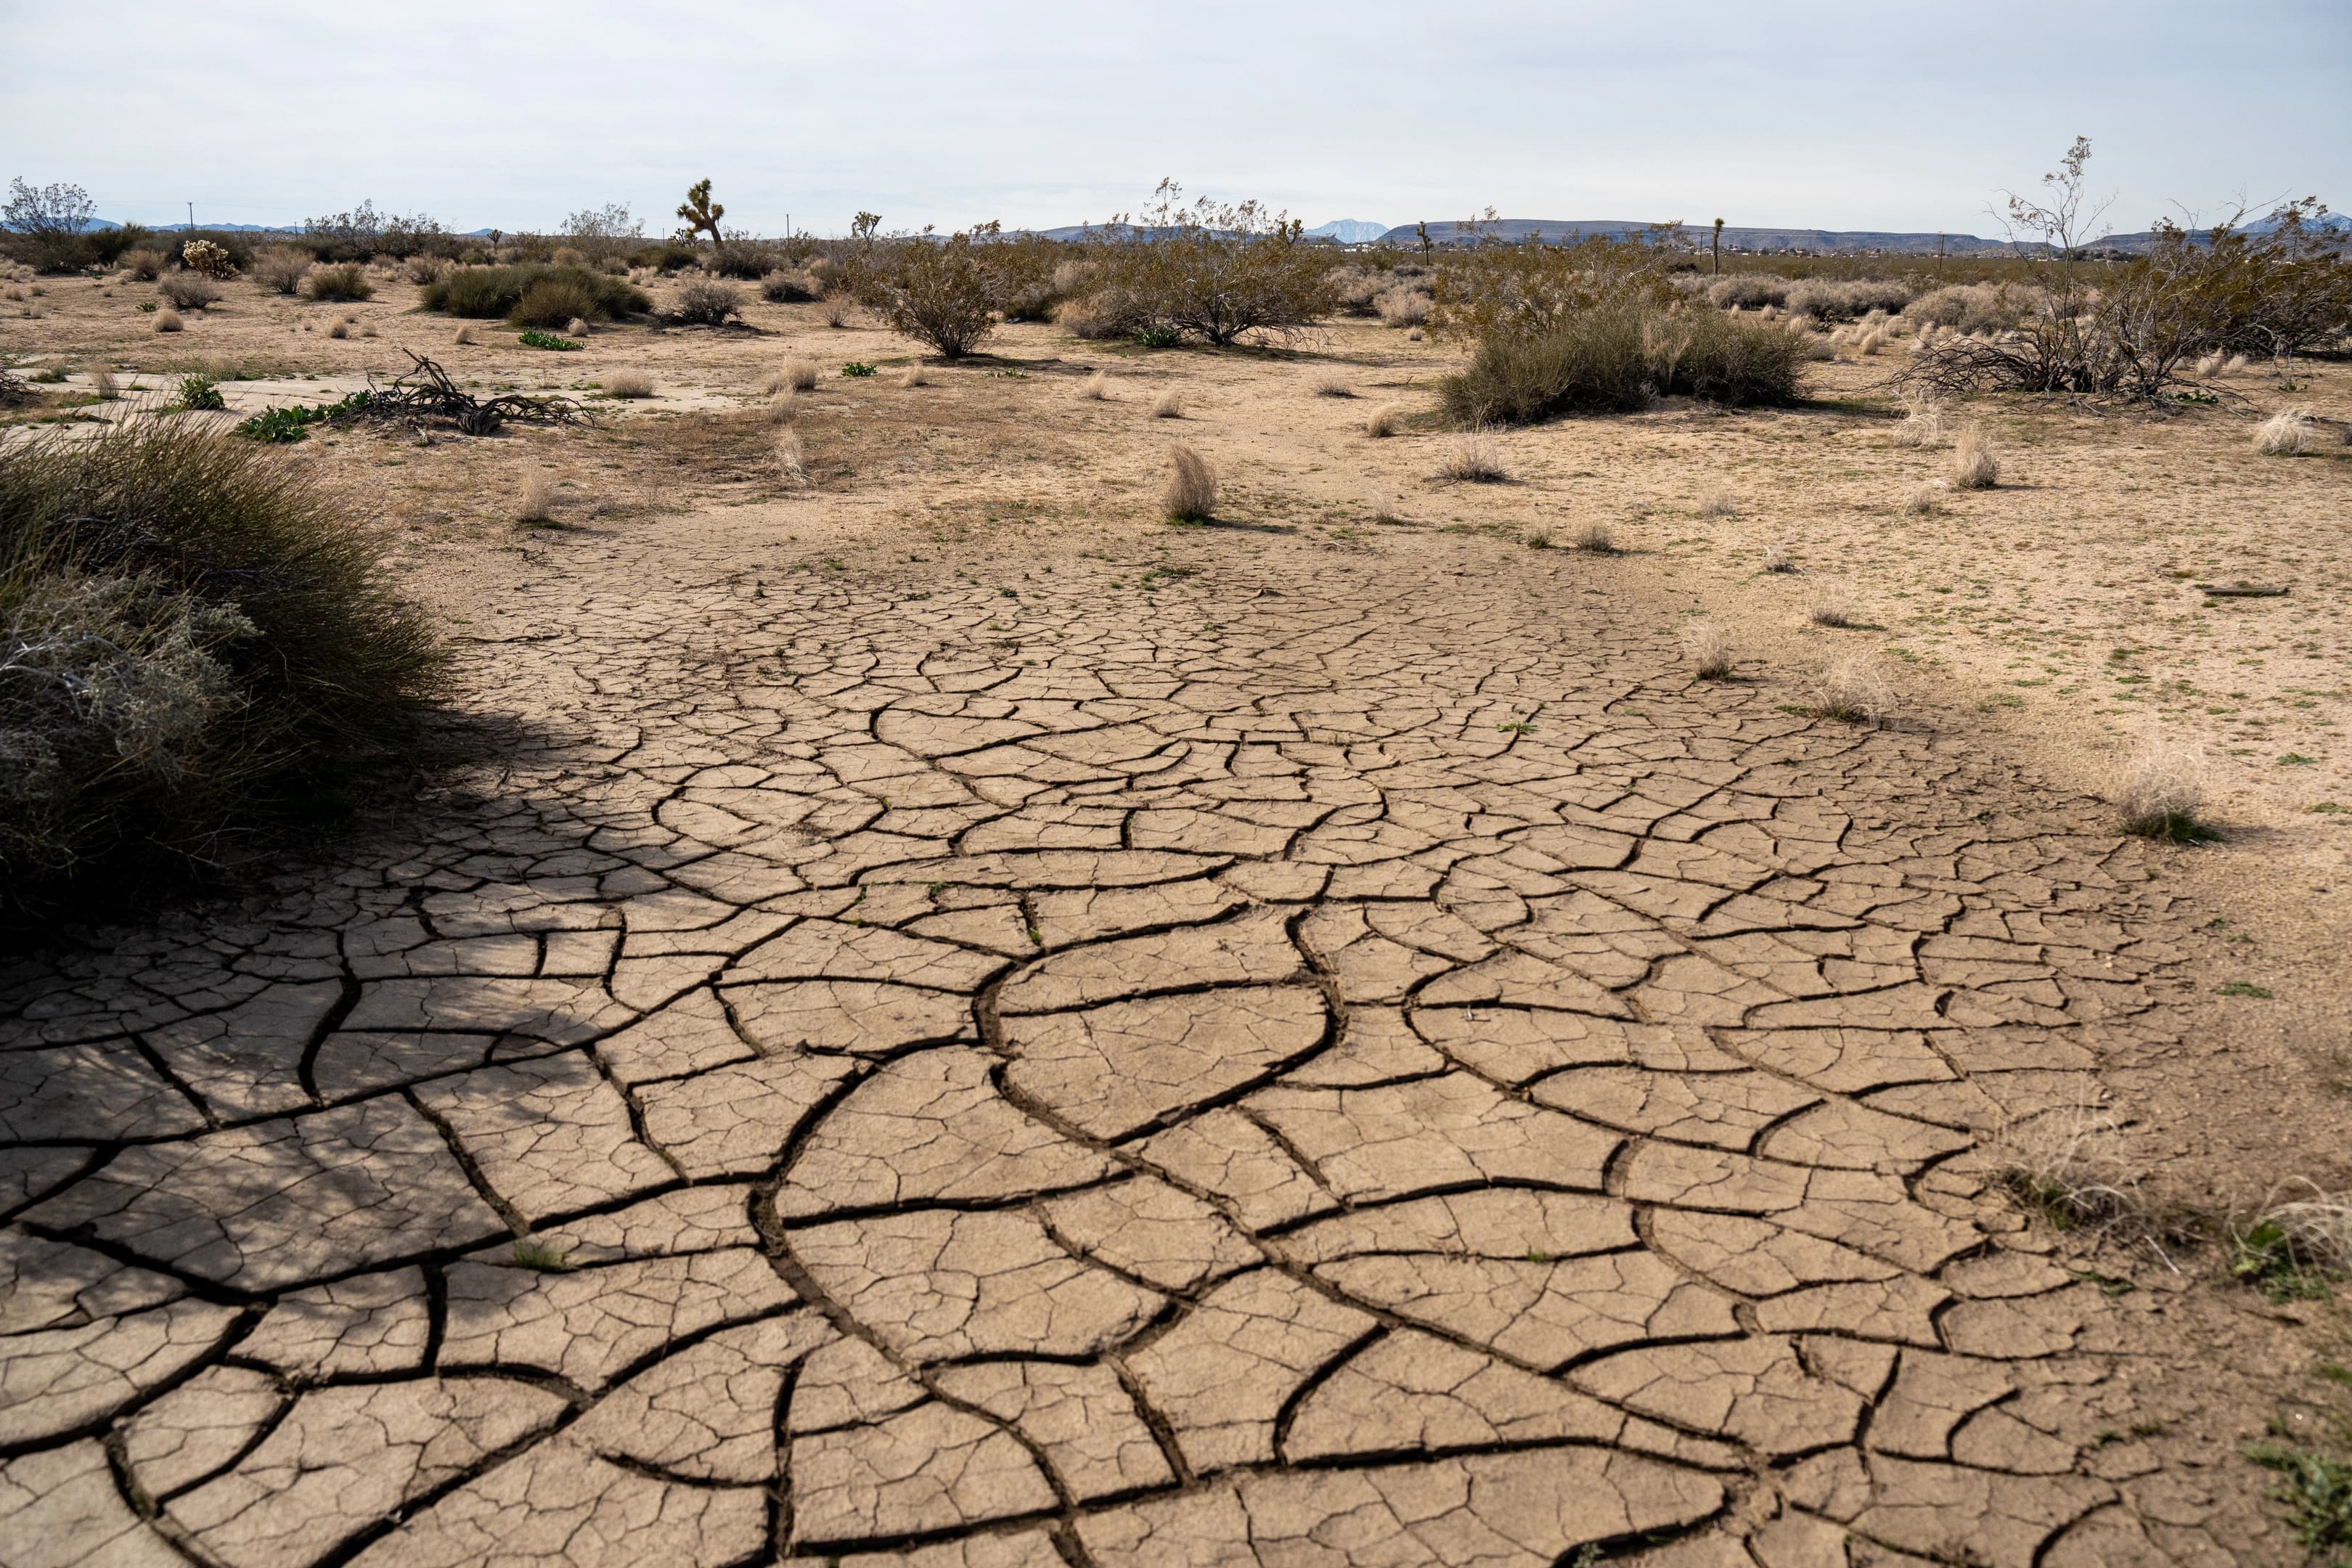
1517	727
2318	1491
545	1257
1158	338
50	377
535	339
293	424
856	367
2242	988
2268	1257
200	392
149	307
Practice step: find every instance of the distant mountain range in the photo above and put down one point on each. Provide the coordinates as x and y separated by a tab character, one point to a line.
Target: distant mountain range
1555	230
1348	231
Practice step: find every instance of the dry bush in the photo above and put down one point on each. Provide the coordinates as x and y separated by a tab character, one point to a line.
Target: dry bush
1382	421
1719	502
1616	361
1975	465
143	264
790	289
1190	493
1403	307
792	456
1708	650
424	269
708	304
168	321
1833	300
1851	691
1333	383
2066	1165
1539	539
799	375
2308	1235
1100	316
1779	561
2209	367
1472	459
103	382
340	329
1215	271
1749	290
943	293
198	640
1815	347
1923	426
577	327
1831	610
1169	404
188	290
783	407
1596	539
1095	387
912	378
1973	307
1926	499
836	317
465	337
2286	434
1382	507
1871	342
1353	290
2236	365
628	383
2161	794
535	502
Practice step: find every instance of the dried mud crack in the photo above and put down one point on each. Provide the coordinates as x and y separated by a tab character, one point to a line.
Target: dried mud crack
1305	1066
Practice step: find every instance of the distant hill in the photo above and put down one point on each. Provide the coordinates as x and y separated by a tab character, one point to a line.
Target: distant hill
1348	231
1555	230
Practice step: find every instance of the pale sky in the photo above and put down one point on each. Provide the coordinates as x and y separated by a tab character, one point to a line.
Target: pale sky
514	112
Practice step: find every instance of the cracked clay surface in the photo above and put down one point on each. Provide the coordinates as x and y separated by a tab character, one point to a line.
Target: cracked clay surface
1318	1063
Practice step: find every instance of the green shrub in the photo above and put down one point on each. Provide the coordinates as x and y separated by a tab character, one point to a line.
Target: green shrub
200	392
856	368
941	292
485	293
557	299
198	643
292	423
539	340
343	281
1613	361
1214	272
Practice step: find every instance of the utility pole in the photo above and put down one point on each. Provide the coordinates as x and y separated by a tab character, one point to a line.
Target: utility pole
1718	247
192	216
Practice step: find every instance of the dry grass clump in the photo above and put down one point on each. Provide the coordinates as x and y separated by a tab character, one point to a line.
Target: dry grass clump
103	382
783	407
792	457
1923	426
836	316
188	290
145	264
577	327
1851	691
1779	561
2286	434
1472	459
1596	539
1381	422
913	376
2066	1165
1095	387
279	268
708	304
629	383
1830	610
1708	650
1975	465
798	375
465	337
1169	404
1333	383
340	329
169	321
2161	794
1926	499
1719	502
2289	1241
1190	493
535	502
1382	507
342	283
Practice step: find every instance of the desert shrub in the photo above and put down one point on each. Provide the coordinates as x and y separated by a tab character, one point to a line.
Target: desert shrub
2160	794
797	375
200	392
187	291
708	305
193	641
423	269
1471	458
169	321
1169	404
1834	301
1530	289
1747	291
1852	691
1381	422
556	301
46	223
940	292
279	268
629	383
1975	465
1095	388
2286	434
144	265
789	289
343	281
364	233
1708	650
486	293
1213	272
1973	307
1614	361
1403	305
743	258
1030	277
1102	315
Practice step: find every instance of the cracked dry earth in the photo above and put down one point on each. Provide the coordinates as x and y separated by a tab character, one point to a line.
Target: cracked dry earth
1319	1067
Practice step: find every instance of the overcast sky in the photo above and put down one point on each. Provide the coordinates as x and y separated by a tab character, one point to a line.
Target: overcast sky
514	112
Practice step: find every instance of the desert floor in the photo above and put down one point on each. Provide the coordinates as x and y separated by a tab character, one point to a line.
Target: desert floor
956	1020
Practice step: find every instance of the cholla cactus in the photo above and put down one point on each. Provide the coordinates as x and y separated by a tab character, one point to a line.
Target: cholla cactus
203	256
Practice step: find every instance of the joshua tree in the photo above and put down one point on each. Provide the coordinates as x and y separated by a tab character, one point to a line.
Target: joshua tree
701	213
1718	247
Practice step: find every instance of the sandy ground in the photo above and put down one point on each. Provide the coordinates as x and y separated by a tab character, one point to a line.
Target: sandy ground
1044	1035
